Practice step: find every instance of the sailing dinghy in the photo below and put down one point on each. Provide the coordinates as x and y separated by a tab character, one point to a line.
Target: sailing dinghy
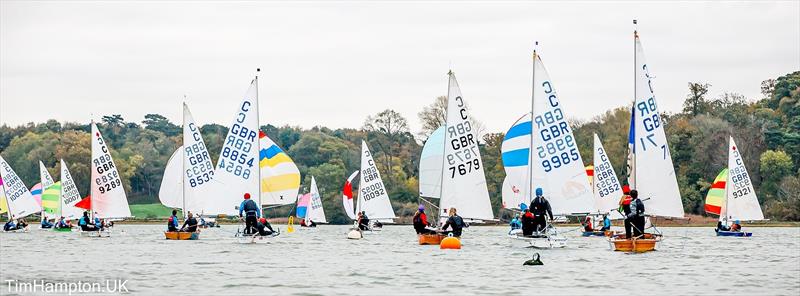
554	164
451	168
108	199
650	164
188	174
310	209
372	199
606	189
732	196
17	199
59	199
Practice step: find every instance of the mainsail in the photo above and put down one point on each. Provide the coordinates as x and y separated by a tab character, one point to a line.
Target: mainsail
108	194
656	181
557	164
69	195
431	164
372	195
605	184
19	201
316	212
741	200
280	178
237	170
463	181
347	195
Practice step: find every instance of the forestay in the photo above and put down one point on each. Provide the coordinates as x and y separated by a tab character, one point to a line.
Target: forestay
463	180
372	195
430	165
557	165
108	194
605	184
280	177
654	175
19	201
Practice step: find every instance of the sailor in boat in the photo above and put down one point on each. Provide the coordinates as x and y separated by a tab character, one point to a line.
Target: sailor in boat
606	223
309	224
456	222
363	221
736	227
587	224
420	222
540	206
46	224
722	227
172	222
251	211
190	225
515	223
12	225
263	227
637	214
86	223
625	205
62	223
528	223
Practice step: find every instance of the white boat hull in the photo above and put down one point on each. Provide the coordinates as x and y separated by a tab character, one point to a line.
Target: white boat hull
22	230
255	239
96	234
547	241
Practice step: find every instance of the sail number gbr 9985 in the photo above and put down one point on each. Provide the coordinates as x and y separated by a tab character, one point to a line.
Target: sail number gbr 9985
556	146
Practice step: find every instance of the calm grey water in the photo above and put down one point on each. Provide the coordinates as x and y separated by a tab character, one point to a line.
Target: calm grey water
323	261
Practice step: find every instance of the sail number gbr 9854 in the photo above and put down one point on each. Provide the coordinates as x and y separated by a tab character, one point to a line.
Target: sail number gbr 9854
462	157
556	147
236	157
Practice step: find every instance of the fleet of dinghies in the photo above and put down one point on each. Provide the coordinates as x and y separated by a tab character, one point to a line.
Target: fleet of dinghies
539	154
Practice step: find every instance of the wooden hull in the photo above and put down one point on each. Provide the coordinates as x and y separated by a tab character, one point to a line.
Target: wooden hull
430	239
646	243
176	235
734	233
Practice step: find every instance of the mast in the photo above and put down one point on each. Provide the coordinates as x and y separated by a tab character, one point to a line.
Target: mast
91	184
633	109
183	163
258	142
727	182
61	191
533	103
444	151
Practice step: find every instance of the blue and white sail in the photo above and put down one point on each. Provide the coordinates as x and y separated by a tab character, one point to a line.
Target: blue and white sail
430	165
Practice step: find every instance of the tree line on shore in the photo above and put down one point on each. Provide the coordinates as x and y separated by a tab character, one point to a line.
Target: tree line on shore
767	130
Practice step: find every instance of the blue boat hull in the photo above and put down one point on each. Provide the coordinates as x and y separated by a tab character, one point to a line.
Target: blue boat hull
734	233
594	233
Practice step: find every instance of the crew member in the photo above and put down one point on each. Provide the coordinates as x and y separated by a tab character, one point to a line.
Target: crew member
46	223
420	221
263	227
606	223
252	212
637	213
190	225
539	207
528	223
172	222
363	221
625	207
456	222
86	223
515	223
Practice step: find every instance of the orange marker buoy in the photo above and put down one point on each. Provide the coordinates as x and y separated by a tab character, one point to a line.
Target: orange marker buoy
450	243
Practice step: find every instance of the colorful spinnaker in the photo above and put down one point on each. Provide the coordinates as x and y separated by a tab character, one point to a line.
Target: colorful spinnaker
51	201
347	195
36	191
280	177
716	194
19	201
108	193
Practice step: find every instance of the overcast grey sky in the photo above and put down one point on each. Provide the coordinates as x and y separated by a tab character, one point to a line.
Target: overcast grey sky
333	64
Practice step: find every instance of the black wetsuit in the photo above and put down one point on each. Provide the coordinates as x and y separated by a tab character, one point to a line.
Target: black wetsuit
637	208
420	225
539	207
626	208
363	224
251	216
528	224
190	225
457	223
264	229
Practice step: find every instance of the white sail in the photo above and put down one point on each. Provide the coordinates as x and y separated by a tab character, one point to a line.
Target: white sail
315	211
430	165
108	194
46	180
237	168
557	165
654	176
742	202
516	154
463	180
170	193
19	200
197	167
347	195
69	195
280	177
606	188
373	198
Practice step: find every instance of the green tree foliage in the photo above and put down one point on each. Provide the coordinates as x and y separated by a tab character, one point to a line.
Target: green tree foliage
767	131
